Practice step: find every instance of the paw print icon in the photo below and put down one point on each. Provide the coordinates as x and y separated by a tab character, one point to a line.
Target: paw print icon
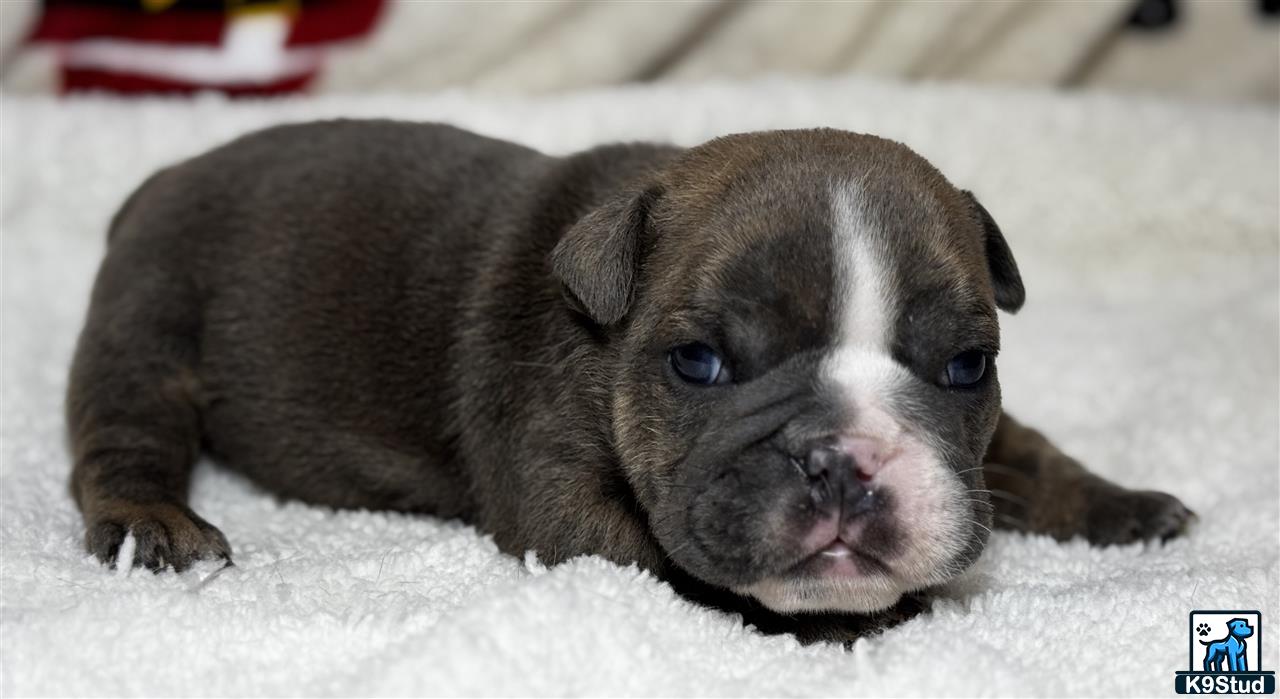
1202	629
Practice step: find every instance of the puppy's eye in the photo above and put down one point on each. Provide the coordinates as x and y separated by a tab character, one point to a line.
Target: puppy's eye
697	363
966	369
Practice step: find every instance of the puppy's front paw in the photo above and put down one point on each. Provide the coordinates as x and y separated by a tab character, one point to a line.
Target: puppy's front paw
165	535
1117	515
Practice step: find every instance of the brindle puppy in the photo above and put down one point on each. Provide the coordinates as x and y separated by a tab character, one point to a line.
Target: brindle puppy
762	368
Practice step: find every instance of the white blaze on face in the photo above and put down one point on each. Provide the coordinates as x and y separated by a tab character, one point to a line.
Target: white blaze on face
864	285
929	505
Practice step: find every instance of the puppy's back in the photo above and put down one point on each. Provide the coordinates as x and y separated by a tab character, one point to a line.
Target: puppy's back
285	301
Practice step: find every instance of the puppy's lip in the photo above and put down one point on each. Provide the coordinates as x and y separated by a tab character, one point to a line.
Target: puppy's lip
836	549
840	559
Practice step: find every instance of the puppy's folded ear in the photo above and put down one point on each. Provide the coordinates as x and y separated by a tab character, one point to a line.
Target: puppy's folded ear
1010	294
598	258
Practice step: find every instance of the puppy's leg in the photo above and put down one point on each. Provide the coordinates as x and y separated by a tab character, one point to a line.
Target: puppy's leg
132	413
1036	488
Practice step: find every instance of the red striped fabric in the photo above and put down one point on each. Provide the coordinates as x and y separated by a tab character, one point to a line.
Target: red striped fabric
190	23
317	22
72	22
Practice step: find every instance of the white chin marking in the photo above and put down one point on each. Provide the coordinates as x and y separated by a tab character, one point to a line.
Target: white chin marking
858	596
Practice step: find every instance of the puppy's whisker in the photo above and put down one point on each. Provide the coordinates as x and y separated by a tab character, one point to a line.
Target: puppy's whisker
980	525
981	502
799	467
670	554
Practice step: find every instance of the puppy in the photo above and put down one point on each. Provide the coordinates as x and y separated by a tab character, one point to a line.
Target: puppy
763	368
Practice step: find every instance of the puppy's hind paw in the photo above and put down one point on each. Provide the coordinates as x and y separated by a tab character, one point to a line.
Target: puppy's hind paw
1120	516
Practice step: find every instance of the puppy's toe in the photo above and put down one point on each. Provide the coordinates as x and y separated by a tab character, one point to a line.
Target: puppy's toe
165	535
103	540
1120	516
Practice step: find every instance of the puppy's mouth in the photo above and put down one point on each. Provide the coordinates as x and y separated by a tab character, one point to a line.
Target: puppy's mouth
840	560
842	551
833	549
861	554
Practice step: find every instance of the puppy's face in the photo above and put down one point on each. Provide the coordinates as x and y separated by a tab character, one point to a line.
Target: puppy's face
805	379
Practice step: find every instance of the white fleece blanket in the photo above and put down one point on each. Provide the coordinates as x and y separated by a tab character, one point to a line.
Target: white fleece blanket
1146	231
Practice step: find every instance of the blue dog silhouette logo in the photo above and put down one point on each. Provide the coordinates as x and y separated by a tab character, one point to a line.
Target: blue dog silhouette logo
1229	651
1226	652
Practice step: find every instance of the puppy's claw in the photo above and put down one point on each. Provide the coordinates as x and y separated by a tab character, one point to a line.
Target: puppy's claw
1179	523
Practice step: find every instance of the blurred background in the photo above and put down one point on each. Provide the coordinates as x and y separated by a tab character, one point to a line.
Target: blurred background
1221	50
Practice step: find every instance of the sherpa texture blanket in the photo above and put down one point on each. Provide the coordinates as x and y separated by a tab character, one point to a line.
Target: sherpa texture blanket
1146	231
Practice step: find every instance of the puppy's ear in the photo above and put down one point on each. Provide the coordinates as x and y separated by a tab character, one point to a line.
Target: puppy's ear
1010	294
597	259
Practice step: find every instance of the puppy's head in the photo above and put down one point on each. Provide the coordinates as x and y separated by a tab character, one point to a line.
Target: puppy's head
801	336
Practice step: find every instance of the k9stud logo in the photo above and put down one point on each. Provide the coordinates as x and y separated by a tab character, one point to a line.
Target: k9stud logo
1225	655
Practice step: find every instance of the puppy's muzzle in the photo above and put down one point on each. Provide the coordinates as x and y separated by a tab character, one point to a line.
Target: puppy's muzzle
842	475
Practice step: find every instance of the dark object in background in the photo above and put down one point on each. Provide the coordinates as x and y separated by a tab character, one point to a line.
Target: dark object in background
239	47
1154	14
1164	14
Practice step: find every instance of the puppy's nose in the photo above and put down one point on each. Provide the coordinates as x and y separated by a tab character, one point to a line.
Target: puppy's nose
868	453
863	456
835	483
